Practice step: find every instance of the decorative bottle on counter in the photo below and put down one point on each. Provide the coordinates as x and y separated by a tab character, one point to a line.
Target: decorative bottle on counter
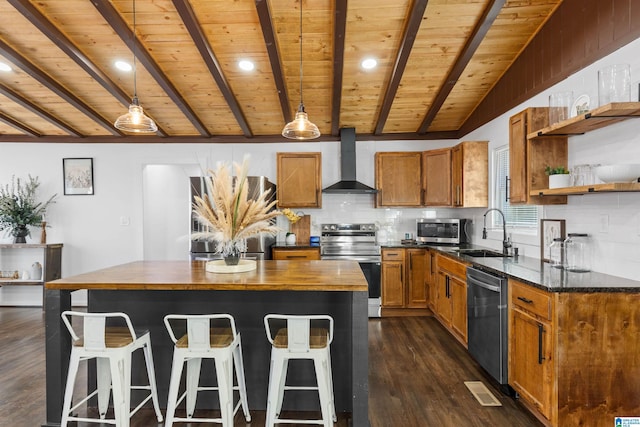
36	271
556	253
290	239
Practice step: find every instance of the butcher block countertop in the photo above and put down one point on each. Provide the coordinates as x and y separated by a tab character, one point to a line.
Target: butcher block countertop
191	275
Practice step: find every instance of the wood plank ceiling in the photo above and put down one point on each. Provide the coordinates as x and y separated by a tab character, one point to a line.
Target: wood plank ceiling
437	60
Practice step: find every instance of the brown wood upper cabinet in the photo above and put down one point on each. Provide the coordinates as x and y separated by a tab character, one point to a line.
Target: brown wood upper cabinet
437	177
399	178
457	176
454	176
528	158
470	174
299	180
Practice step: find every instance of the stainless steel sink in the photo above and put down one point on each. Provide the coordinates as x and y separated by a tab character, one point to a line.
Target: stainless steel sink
481	253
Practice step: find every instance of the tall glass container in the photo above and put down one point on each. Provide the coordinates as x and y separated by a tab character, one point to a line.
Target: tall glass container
556	253
577	248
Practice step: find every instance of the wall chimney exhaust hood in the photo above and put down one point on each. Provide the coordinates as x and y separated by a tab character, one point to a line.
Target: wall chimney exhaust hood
348	183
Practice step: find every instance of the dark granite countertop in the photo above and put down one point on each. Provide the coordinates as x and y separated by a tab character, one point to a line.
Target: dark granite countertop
534	272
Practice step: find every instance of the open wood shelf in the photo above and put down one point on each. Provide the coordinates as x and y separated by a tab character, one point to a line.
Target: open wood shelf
594	119
589	189
19	282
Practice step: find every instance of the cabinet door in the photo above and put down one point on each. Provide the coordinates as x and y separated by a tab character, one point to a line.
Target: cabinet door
299	180
458	296
432	280
470	174
392	283
517	158
457	176
398	178
530	363
443	302
437	177
418	270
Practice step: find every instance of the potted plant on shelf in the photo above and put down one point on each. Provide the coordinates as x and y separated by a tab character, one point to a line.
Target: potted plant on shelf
558	177
19	208
229	215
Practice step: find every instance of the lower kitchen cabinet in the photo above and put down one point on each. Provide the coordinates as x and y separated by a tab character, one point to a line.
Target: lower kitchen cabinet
451	296
392	278
295	254
574	356
417	269
404	278
531	347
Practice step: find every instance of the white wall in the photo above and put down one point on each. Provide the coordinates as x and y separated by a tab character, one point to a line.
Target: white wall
94	233
616	247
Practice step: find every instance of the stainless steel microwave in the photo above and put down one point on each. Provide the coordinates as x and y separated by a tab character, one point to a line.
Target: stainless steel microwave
442	230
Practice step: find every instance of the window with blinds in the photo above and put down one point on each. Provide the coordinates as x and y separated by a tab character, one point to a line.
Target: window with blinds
516	216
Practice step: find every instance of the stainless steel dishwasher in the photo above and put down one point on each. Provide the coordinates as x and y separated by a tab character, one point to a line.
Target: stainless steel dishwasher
488	321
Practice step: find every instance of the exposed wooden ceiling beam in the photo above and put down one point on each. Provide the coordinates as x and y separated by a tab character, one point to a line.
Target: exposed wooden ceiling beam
18	99
222	139
17	125
204	47
20	61
264	15
121	28
409	37
339	29
56	36
480	31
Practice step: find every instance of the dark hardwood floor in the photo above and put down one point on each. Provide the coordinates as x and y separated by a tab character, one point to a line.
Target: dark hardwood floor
416	378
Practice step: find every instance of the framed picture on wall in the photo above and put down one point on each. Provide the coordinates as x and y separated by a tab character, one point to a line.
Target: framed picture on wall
550	229
78	176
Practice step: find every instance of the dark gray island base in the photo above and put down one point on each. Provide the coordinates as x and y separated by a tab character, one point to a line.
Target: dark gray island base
247	297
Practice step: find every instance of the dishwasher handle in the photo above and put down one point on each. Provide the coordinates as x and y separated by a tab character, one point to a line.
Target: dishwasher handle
471	280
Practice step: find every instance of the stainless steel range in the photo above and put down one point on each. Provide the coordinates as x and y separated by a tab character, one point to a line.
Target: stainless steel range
356	242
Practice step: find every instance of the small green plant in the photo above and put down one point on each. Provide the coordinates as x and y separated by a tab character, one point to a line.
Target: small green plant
19	207
560	170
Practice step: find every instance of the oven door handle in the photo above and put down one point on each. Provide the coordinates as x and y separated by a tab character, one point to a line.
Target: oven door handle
471	280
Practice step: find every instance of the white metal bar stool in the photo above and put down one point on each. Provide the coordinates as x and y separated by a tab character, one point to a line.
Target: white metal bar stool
204	340
298	340
112	347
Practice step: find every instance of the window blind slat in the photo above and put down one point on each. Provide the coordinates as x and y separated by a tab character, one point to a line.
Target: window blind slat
516	216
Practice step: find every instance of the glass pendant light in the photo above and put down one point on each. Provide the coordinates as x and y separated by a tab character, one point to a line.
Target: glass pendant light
135	120
301	128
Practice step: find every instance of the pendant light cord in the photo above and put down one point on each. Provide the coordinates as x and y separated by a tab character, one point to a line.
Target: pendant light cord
133	39
301	52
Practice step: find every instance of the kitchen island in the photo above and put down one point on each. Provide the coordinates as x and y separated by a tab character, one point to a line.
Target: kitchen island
148	290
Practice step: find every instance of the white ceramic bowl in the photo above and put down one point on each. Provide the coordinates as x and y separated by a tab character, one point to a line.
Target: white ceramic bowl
618	173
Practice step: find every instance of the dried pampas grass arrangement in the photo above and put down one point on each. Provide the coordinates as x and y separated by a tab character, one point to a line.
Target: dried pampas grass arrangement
230	214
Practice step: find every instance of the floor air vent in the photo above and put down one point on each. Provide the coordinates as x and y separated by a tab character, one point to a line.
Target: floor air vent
482	393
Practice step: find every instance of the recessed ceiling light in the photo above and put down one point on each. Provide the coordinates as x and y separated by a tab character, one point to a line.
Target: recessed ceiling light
369	63
123	66
246	65
4	67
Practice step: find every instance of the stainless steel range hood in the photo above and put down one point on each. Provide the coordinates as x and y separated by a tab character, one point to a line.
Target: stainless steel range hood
348	183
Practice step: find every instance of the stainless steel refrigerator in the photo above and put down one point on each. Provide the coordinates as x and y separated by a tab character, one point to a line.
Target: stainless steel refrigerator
257	247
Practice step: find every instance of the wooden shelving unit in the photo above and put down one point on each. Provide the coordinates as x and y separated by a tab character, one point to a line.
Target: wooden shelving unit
51	266
589	189
594	119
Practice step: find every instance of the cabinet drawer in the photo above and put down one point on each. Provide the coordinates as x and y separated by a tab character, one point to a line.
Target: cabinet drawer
454	267
296	254
531	300
393	254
